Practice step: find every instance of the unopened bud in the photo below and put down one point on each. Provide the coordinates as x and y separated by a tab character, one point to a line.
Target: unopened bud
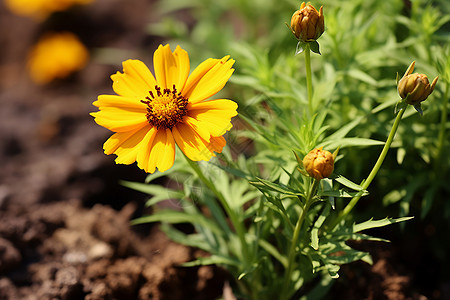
319	163
307	23
415	88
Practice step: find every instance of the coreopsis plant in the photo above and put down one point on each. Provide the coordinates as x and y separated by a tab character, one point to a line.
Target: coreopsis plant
267	216
56	56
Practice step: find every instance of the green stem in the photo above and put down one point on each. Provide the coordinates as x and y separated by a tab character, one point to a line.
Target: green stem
238	225
442	132
292	250
309	78
374	171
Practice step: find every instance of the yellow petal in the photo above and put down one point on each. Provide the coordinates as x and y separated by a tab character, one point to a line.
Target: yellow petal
171	68
125	145
145	149
217	143
208	79
198	127
214	115
165	66
198	73
183	67
218	104
136	80
191	143
120	120
121	102
162	151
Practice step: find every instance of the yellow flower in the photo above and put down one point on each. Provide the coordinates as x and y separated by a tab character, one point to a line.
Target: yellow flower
151	114
307	23
319	163
56	56
41	8
415	88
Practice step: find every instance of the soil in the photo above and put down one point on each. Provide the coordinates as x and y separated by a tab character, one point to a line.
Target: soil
64	217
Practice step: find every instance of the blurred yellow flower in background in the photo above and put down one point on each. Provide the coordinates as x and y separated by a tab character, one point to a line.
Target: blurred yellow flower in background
151	114
41	8
56	55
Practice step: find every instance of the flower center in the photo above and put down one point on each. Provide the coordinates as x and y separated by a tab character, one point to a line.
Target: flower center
165	109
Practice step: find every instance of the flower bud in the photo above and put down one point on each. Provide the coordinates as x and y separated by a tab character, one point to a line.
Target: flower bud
307	23
414	88
319	163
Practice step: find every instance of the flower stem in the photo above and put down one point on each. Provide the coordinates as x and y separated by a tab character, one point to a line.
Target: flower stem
308	77
374	171
295	236
237	224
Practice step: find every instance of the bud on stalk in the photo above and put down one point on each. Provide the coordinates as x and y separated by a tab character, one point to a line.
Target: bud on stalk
307	24
319	163
415	88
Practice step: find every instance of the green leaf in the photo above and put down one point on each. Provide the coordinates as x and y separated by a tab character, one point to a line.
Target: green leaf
321	289
169	195
343	131
351	142
151	189
315	47
341	193
317	225
394	196
212	260
273	251
271	186
159	193
192	240
300	47
176	217
378	223
348	183
362	76
418	107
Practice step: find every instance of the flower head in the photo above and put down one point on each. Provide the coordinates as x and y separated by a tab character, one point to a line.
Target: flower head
55	56
307	23
319	163
150	114
40	9
415	88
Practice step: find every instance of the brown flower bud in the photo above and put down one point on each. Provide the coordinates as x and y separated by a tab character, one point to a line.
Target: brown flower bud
307	23
415	88
319	163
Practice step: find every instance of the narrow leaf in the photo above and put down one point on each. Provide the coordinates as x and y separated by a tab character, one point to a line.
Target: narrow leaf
348	183
211	260
378	223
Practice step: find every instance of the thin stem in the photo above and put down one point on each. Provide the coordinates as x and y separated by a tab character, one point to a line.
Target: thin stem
374	171
295	236
238	226
442	132
309	78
